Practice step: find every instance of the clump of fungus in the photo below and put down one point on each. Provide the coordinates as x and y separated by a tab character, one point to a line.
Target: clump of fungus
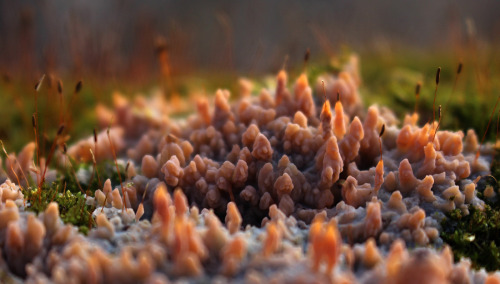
355	185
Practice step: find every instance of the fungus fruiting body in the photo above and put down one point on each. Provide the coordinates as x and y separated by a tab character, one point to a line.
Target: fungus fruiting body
259	188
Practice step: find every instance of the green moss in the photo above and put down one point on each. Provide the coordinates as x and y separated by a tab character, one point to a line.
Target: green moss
71	199
475	235
72	207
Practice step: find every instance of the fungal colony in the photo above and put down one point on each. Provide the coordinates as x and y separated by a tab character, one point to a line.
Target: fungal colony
281	186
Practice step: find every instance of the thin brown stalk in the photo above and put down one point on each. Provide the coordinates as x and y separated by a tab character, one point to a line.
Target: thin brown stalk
439	124
35	121
486	131
12	169
459	70
51	154
438	75
95	168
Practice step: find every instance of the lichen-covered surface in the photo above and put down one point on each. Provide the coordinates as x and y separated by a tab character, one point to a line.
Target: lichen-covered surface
281	186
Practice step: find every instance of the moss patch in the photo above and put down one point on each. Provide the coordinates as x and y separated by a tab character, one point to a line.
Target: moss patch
476	235
72	206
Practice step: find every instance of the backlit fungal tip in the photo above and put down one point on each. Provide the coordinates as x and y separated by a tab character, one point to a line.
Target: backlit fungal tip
326	109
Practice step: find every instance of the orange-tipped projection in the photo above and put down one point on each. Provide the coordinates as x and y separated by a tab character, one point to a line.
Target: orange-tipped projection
339	123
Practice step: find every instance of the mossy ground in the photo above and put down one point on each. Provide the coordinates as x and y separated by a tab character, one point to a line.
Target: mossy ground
476	235
70	193
72	206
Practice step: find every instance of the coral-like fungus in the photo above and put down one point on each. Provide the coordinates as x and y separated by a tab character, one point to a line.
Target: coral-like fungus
276	172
